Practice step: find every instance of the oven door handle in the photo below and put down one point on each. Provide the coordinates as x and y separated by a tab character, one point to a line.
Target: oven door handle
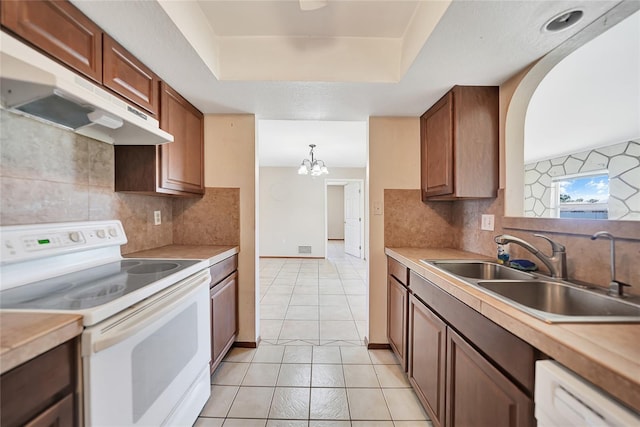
139	318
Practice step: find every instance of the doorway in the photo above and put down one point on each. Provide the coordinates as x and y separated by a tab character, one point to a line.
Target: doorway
345	215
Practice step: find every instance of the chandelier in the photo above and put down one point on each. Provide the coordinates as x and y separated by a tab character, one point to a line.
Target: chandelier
314	166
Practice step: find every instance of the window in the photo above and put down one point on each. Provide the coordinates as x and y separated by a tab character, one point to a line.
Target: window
582	196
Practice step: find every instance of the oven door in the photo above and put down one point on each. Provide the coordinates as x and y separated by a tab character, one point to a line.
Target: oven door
145	365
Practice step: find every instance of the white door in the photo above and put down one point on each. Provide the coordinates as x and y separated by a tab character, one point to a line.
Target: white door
352	219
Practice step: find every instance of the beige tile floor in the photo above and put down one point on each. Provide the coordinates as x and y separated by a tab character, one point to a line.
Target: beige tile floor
311	368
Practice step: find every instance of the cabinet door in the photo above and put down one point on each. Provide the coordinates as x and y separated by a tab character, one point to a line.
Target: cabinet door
128	77
223	317
59	414
44	380
427	358
436	145
182	161
480	395
59	30
397	304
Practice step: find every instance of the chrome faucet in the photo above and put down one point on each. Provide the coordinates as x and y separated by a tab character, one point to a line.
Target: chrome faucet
556	263
616	288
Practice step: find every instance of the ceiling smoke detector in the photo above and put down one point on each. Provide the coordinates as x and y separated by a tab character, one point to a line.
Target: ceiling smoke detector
563	21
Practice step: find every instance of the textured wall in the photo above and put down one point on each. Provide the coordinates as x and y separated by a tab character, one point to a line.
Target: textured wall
394	162
335	211
48	174
230	162
293	210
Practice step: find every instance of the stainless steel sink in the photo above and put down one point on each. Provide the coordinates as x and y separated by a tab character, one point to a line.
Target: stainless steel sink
554	301
563	299
481	270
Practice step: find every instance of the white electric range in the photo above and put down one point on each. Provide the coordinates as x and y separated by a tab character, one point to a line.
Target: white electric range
146	342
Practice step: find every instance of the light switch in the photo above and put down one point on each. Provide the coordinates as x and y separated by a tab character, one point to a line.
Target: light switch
377	208
487	222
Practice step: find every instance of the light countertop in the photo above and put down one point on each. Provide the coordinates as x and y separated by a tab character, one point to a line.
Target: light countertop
24	336
214	254
608	355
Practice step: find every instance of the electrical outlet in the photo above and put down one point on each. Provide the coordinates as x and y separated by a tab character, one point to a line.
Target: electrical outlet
377	208
157	218
487	222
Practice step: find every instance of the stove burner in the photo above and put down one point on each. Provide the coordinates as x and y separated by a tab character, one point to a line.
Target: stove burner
153	268
129	263
97	292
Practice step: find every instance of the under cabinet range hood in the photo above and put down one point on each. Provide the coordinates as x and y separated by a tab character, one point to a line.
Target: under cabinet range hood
35	85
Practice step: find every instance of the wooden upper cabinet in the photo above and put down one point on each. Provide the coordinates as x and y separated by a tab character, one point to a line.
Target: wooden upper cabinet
182	161
59	30
436	127
176	168
128	77
459	145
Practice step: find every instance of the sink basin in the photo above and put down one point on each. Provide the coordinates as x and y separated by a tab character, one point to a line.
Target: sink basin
481	270
553	301
557	301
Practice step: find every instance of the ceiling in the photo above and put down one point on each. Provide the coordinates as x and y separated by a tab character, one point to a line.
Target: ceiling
286	142
345	62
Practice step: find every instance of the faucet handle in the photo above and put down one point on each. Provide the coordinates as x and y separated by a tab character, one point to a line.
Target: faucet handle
555	246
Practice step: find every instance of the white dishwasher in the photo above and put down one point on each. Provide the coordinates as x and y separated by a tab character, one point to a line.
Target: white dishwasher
563	399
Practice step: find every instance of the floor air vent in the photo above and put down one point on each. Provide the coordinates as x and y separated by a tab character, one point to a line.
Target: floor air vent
304	249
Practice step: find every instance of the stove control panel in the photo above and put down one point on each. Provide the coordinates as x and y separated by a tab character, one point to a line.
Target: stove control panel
23	242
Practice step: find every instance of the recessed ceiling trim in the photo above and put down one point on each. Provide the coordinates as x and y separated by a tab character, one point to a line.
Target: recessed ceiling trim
350	59
423	22
193	25
368	59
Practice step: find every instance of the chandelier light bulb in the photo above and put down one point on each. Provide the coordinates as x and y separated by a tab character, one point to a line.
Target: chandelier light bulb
313	166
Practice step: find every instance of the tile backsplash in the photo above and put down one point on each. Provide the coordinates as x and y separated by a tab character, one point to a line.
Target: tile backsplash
410	223
48	174
212	220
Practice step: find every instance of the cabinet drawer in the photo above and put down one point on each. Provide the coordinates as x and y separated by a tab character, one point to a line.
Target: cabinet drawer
59	414
223	268
59	30
514	356
398	271
34	386
130	78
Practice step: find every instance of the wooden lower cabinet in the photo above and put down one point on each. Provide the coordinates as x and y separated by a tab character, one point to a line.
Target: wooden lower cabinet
224	324
57	415
427	358
466	370
397	305
479	394
42	391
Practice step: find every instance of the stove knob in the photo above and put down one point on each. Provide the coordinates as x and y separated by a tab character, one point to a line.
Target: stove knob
101	234
113	232
74	236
